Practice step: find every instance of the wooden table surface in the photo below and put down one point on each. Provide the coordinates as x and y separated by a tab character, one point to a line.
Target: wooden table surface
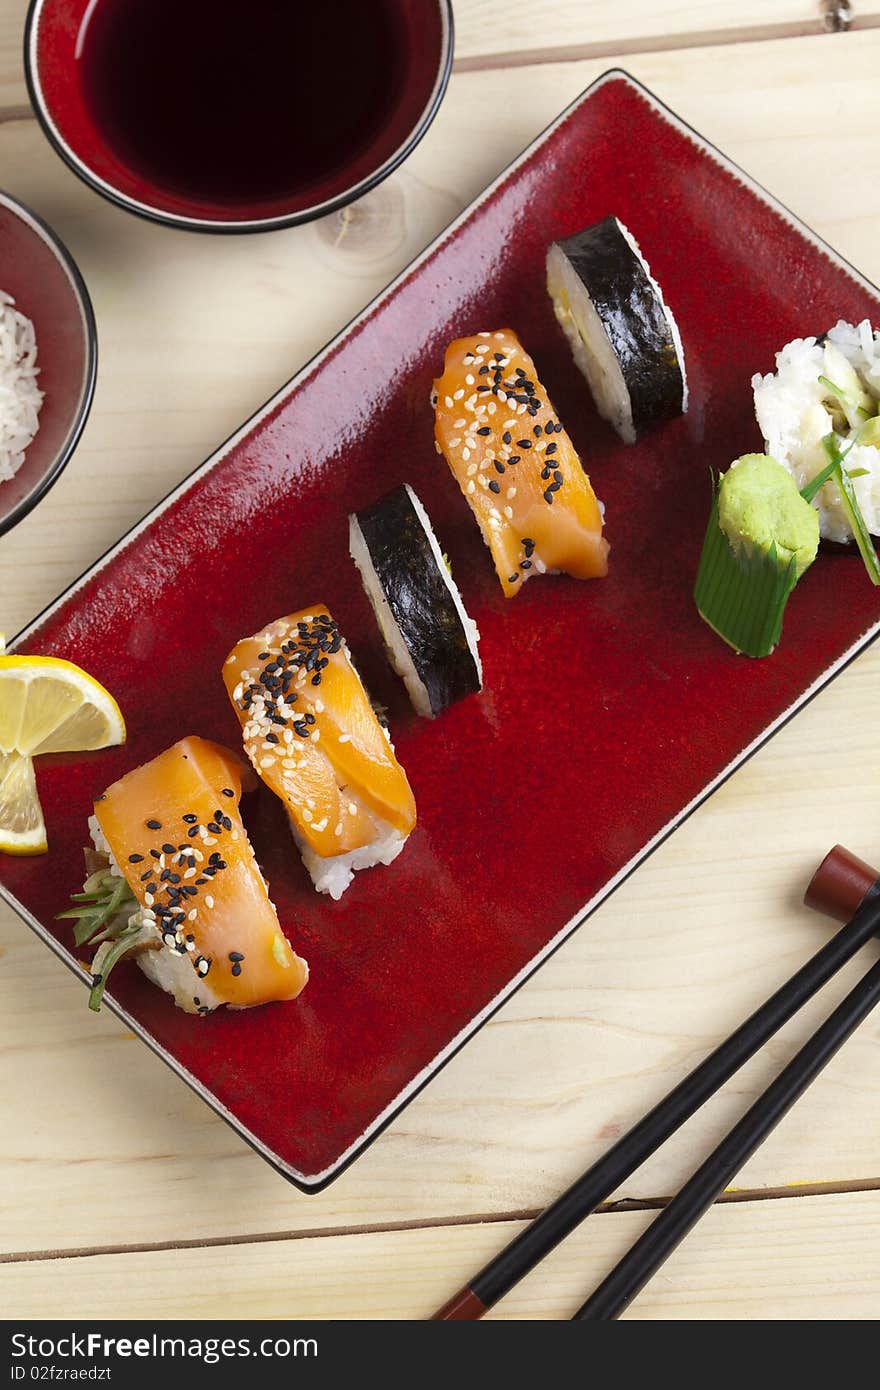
123	1192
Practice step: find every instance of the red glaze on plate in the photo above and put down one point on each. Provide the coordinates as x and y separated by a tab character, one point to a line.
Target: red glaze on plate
609	709
40	274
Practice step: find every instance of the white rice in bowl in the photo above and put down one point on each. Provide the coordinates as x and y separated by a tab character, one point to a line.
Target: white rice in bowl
20	397
795	411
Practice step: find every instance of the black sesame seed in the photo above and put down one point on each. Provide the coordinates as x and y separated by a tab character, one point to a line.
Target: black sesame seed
537	431
498	465
236	955
148	874
154	825
135	859
227	791
483	371
514	458
190	819
548	496
236	969
558	477
551	448
193	831
512	578
524	444
494	486
506	436
213	827
484	429
168	849
525	564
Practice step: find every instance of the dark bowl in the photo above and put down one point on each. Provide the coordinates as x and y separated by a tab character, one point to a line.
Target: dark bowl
52	43
40	274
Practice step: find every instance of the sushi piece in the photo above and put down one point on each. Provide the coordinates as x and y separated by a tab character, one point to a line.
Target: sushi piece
431	642
515	464
827	389
762	536
622	333
175	883
313	737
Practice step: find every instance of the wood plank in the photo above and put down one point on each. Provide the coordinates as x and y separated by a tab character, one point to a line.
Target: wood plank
809	1257
484	33
194	333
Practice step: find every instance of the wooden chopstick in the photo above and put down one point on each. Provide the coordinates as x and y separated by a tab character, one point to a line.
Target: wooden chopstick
523	1253
648	1253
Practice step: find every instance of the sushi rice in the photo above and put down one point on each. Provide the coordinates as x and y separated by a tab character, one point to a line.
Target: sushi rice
795	411
20	397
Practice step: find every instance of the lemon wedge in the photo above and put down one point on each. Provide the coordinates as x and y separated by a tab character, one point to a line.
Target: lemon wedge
21	818
46	706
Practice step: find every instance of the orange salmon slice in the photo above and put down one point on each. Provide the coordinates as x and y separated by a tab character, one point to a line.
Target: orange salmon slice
496	427
175	831
313	737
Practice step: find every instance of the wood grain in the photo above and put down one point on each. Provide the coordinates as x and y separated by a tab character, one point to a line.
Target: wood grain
195	332
486	32
810	1257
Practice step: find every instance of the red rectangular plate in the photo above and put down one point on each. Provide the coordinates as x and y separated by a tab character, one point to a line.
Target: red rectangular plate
609	710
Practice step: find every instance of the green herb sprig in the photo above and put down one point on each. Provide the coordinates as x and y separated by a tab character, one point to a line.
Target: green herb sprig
834	471
102	914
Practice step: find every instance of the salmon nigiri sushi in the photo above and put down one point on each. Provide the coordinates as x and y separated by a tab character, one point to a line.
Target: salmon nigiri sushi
497	429
176	884
313	737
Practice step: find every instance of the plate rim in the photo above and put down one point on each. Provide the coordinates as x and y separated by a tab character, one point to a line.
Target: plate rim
316	1182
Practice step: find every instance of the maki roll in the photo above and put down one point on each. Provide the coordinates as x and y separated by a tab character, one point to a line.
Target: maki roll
496	427
622	333
174	883
430	640
762	536
313	737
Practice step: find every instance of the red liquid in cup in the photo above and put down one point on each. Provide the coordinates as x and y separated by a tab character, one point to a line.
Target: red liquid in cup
236	101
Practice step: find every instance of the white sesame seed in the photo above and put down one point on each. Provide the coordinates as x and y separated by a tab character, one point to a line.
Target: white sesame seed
192	915
484	335
264	763
345	738
468	381
459	424
499	337
306	815
465	453
471	487
352	808
210	840
149	899
316	736
511	492
338	829
449	402
457	395
437	448
472	468
235	835
320	826
508	512
190	873
502	397
454	443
